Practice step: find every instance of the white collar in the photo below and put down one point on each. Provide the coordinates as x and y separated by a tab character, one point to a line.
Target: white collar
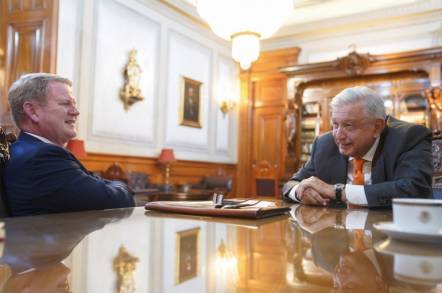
370	154
43	139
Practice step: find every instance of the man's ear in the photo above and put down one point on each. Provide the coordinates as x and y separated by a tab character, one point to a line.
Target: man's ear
379	125
30	108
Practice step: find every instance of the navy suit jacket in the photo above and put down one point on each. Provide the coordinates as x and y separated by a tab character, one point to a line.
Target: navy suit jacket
402	164
43	178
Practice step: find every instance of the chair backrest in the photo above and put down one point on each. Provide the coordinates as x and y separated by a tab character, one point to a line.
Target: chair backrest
115	172
265	177
437	164
6	139
138	180
218	183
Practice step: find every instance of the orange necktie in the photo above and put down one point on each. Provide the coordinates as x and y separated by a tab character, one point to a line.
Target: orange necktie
359	244
358	174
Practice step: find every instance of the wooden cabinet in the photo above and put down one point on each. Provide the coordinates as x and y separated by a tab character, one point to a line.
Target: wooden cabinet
401	79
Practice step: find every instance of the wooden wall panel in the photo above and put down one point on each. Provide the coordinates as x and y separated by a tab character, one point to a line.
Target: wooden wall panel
25	51
180	171
28	43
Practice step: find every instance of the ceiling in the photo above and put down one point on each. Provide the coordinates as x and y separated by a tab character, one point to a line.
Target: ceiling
306	13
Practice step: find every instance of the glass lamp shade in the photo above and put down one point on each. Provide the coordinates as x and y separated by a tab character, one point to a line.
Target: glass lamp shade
166	156
250	19
245	48
76	147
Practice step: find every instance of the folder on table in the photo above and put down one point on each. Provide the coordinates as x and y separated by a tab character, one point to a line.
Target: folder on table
248	209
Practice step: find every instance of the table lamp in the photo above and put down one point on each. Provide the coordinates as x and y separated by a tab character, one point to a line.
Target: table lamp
76	147
166	158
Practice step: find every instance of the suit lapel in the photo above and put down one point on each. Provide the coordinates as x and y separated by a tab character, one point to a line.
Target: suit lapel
378	164
339	166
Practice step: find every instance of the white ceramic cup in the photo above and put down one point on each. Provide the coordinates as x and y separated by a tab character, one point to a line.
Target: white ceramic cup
418	269
418	215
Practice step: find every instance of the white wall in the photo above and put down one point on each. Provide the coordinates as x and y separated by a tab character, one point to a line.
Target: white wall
94	40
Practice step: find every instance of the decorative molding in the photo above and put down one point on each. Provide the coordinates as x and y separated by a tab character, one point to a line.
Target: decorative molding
354	63
416	12
183	48
410	61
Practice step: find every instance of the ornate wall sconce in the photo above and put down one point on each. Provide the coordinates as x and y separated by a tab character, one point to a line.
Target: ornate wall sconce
226	264
131	92
125	266
226	106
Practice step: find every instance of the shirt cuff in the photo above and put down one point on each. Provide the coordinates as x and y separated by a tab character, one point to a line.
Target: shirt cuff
356	194
356	219
292	194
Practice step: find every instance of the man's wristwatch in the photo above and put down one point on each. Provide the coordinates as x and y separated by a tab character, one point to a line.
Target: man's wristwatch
338	191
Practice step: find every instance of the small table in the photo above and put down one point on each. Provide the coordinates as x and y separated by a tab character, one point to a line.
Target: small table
143	196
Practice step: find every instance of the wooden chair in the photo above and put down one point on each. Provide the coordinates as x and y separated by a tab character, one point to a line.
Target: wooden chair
140	181
265	177
215	183
115	172
437	164
6	139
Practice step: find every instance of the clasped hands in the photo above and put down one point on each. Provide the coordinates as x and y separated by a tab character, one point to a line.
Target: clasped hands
314	191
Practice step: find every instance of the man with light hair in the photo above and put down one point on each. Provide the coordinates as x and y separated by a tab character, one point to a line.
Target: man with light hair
367	159
42	176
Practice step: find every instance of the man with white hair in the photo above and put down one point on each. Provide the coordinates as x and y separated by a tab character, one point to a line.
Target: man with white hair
42	176
368	158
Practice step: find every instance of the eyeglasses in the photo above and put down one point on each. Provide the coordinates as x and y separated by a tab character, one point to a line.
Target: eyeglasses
220	203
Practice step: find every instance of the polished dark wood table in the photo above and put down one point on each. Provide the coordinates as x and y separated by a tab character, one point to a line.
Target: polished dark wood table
131	250
142	196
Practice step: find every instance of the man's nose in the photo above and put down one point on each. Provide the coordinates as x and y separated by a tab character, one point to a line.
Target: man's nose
74	111
339	132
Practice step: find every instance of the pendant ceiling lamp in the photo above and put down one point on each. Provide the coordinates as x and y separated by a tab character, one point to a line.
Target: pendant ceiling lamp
244	22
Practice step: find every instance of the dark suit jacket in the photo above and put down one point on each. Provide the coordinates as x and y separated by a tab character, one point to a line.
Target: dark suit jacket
43	178
402	164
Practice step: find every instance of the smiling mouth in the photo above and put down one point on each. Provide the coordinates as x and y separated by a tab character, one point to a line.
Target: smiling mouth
70	122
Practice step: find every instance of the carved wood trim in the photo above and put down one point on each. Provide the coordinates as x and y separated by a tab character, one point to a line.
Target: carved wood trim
354	63
373	64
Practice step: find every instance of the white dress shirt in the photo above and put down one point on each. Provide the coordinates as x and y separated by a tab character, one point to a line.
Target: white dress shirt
43	139
355	193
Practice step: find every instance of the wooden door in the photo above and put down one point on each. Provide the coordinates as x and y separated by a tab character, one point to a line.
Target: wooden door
28	39
268	144
262	256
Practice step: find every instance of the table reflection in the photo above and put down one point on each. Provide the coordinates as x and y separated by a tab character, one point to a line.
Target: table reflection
315	249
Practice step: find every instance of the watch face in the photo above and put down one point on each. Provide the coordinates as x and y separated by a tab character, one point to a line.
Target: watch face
339	186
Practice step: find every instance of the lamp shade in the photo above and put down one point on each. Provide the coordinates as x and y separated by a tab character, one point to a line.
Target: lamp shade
76	147
166	156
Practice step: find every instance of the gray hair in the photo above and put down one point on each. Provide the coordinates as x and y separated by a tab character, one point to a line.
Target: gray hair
371	100
30	87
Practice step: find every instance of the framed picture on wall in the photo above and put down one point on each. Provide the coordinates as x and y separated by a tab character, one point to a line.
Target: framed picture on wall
187	261
190	103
